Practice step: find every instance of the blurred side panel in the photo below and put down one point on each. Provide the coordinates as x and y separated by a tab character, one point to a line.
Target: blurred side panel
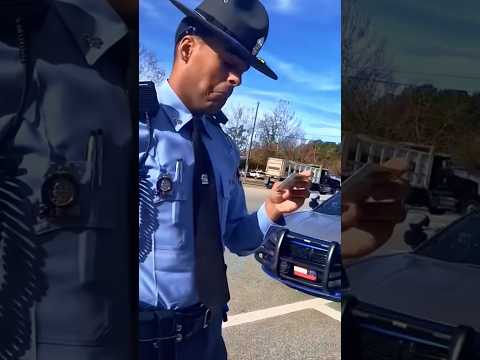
411	171
67	258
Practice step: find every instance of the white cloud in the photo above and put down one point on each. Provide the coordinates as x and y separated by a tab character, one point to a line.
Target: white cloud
285	5
313	80
149	8
314	102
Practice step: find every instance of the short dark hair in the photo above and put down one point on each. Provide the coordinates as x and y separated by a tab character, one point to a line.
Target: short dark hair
188	26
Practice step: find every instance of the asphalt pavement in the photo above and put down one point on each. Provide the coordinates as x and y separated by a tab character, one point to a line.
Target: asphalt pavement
268	320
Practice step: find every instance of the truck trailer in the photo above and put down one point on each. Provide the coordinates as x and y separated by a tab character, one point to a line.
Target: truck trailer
435	182
278	169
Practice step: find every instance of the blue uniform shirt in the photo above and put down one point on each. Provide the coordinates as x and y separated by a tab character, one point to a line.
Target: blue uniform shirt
166	277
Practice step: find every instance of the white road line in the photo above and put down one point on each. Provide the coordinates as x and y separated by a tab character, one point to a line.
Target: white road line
315	304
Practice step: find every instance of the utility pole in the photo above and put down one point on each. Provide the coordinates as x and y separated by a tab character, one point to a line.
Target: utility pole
251	139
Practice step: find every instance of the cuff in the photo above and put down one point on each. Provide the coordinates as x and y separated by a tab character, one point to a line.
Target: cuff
264	222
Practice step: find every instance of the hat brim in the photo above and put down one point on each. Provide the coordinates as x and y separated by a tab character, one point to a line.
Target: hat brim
239	49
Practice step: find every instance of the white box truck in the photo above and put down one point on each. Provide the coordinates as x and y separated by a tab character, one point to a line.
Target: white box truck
278	169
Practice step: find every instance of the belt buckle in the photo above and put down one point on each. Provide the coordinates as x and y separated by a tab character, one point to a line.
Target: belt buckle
206	318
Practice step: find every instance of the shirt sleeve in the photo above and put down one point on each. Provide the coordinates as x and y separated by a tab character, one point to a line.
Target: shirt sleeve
245	232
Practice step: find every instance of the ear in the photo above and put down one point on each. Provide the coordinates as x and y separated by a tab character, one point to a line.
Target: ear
186	47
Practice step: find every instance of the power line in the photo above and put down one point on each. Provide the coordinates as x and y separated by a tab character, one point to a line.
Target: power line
441	74
397	82
382	81
457	76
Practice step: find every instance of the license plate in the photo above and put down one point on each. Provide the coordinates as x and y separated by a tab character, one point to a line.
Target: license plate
304	273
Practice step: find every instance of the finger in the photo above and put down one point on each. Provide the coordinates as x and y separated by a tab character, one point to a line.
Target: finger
393	212
356	243
275	187
302	186
304	176
381	231
349	215
397	190
286	193
306	173
299	201
305	193
389	170
396	166
380	188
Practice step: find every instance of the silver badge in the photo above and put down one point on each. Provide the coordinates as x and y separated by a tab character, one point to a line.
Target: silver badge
164	185
60	193
204	179
60	190
258	46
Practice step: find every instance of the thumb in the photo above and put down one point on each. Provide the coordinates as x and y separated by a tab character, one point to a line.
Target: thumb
349	215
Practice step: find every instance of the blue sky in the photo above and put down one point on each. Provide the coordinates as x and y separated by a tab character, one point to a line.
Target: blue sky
430	42
303	48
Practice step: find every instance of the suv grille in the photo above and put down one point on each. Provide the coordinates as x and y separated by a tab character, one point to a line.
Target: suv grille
321	257
379	334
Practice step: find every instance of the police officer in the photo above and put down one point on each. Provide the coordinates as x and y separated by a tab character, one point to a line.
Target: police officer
65	132
192	171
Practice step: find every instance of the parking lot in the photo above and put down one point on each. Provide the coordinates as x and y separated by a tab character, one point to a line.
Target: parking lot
268	320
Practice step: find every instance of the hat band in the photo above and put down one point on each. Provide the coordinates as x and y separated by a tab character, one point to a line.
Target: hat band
222	27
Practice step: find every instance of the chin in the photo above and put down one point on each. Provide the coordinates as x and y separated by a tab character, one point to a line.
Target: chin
212	108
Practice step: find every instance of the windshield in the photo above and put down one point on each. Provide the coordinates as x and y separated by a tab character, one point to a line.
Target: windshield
460	243
331	206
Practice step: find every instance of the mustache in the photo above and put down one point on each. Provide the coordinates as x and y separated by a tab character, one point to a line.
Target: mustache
225	91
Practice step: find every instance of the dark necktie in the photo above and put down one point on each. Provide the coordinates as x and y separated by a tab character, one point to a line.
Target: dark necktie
211	279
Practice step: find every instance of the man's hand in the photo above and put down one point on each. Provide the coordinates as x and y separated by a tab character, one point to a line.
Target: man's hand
372	208
284	201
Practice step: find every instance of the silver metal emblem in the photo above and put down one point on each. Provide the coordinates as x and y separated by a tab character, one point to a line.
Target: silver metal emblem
62	191
204	179
258	46
164	185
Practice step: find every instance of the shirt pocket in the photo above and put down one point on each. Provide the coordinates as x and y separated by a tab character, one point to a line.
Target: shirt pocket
77	307
173	217
77	245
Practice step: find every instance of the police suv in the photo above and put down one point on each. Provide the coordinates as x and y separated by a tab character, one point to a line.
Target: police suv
305	253
421	304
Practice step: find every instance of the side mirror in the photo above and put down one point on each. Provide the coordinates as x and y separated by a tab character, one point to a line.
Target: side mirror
314	202
416	234
414	238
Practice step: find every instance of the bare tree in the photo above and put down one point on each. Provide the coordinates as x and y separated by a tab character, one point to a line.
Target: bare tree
239	125
280	127
149	66
366	71
279	133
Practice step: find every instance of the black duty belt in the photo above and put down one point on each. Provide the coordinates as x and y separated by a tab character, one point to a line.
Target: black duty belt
165	325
